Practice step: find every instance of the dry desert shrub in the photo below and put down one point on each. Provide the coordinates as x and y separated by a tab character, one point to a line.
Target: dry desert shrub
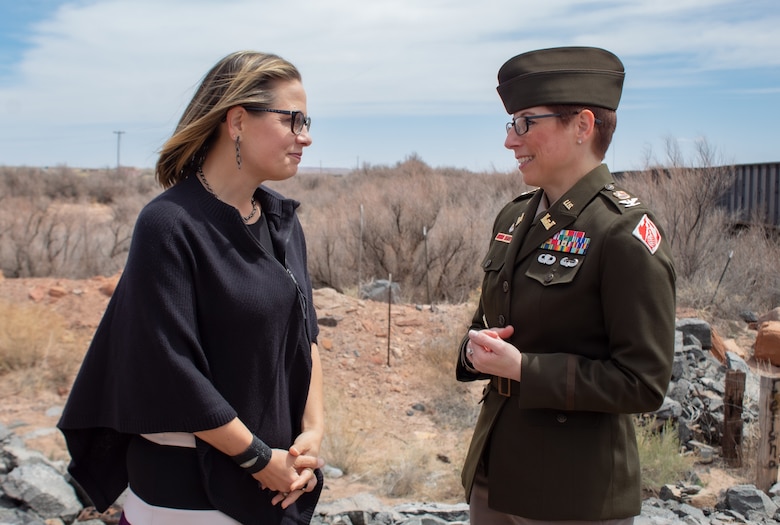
416	471
343	441
660	455
719	269
66	223
36	350
425	227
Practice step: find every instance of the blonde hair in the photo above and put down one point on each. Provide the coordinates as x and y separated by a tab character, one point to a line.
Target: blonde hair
243	77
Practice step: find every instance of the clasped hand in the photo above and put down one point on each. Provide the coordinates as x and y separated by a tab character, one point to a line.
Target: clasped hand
289	473
490	354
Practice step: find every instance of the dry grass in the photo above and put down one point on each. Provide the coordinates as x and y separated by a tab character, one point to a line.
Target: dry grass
37	352
415	463
660	455
343	442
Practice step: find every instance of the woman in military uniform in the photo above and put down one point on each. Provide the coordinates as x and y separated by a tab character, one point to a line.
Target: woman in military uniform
575	325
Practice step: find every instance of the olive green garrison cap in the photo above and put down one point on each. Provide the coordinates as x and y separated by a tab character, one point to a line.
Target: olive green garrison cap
563	75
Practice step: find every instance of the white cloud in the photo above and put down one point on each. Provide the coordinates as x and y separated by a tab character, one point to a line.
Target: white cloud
135	57
137	61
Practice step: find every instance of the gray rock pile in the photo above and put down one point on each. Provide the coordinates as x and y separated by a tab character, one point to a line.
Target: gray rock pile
740	504
694	400
33	490
36	491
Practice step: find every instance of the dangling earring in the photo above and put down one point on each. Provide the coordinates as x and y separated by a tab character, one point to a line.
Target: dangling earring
238	151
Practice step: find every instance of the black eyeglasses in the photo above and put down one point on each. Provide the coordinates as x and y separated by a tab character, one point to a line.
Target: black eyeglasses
297	120
523	124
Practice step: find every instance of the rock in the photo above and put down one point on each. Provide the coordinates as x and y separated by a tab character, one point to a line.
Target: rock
54	411
109	285
379	290
670	409
42	489
747	499
767	345
361	501
718	347
748	316
18	517
771	315
331	472
697	328
57	291
36	294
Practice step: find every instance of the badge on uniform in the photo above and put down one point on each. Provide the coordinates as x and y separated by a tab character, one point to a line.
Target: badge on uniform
504	237
517	222
647	232
568	241
625	199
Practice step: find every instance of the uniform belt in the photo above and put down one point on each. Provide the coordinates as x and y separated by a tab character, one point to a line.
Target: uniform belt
502	385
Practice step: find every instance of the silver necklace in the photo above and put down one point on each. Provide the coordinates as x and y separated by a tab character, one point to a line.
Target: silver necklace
206	184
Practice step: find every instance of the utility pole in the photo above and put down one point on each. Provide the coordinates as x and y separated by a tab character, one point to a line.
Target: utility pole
118	141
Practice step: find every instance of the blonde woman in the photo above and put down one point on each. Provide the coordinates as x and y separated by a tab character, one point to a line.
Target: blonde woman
202	388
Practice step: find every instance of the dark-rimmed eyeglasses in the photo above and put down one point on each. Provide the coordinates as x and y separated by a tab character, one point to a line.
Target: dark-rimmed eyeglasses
297	119
523	124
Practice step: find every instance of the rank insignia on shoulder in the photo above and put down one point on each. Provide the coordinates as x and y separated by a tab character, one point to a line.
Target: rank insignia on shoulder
625	199
568	241
630	203
504	237
621	195
647	232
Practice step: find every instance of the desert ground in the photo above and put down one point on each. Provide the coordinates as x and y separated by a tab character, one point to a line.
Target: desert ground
392	404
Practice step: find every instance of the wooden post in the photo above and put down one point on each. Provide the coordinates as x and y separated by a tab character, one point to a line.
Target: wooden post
769	426
389	312
731	444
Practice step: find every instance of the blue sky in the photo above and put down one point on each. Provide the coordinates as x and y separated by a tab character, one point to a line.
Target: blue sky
385	78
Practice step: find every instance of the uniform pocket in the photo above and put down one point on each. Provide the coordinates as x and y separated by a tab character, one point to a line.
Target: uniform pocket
496	255
550	267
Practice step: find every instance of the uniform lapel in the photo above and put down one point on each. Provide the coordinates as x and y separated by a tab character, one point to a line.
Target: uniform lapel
563	212
522	226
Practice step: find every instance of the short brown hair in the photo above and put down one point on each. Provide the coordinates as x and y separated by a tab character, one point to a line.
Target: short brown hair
606	122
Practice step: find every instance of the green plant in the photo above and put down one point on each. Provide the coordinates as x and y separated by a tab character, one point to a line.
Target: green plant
659	454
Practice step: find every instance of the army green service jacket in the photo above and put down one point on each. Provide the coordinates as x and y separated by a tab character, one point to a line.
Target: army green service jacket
589	287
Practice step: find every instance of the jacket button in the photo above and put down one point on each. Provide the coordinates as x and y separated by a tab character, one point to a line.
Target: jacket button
501	320
506	286
561	418
548	278
487	263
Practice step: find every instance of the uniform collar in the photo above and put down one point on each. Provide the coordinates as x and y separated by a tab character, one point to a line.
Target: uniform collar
565	210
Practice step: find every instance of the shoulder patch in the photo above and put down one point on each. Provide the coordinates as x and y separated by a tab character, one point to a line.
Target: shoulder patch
647	232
